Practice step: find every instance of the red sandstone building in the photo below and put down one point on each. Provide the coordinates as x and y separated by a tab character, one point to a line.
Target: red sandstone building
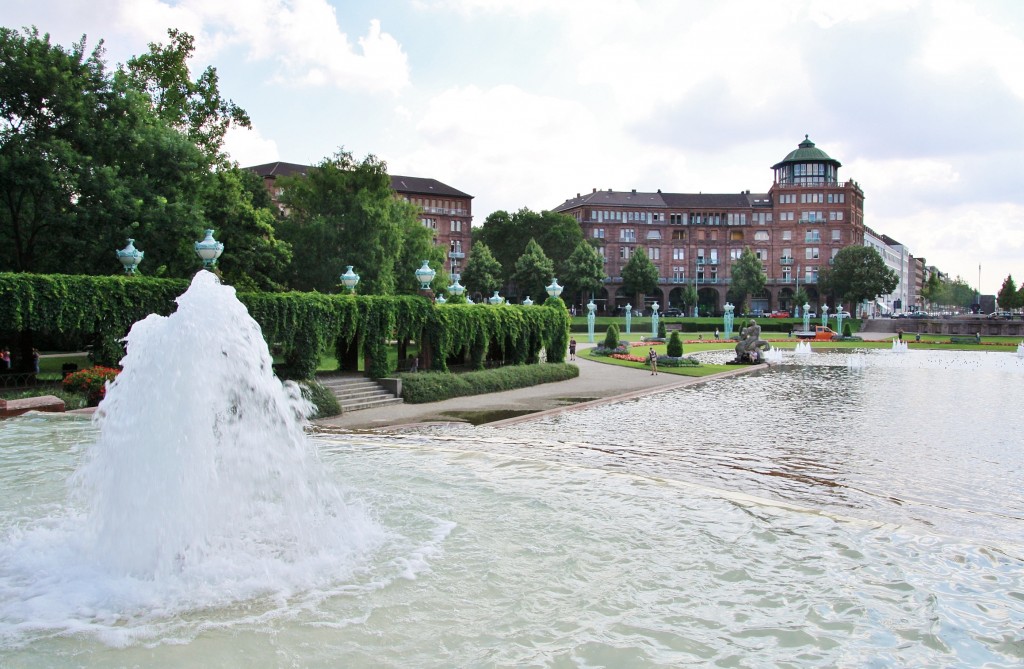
796	228
445	210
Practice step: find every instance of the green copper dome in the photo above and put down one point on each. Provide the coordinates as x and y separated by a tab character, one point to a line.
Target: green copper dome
807	153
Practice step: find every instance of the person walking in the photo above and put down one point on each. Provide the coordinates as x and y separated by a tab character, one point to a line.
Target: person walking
652	358
716	333
572	348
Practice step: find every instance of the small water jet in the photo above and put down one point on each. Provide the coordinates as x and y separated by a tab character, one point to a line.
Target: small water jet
856	362
899	346
773	356
1020	350
803	349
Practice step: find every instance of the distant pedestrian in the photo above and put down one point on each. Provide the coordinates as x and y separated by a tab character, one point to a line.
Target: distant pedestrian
716	333
572	348
35	360
5	359
899	333
652	358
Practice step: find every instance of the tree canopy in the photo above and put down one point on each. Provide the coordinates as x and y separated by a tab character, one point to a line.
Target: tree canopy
639	274
482	273
858	273
88	159
748	278
1009	296
533	271
507	236
583	273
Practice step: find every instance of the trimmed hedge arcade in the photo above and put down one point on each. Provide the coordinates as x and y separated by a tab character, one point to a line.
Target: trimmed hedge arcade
97	312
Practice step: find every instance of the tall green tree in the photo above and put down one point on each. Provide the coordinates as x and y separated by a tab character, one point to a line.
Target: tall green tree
193	107
417	245
1008	296
507	235
343	212
533	271
956	293
858	274
688	296
748	278
583	274
482	273
932	288
639	274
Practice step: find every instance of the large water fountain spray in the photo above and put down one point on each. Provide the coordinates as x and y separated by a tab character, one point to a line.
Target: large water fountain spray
202	455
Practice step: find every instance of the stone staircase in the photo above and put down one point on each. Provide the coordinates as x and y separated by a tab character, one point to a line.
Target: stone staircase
355	392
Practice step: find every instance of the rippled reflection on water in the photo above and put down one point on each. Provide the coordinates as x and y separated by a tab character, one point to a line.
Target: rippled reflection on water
925	437
811	515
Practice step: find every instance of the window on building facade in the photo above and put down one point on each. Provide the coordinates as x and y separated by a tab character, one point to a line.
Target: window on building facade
762	217
624	252
836	198
679	235
787	255
811	253
653	253
787	235
714	257
736	235
627	235
736	219
429	223
734	254
785	216
761	236
678	254
677	219
812	198
657	217
700	255
837	235
762	254
456	226
787	274
597	233
812	236
654	234
835	215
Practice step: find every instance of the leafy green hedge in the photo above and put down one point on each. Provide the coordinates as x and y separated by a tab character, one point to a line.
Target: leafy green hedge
433	386
99	311
322	398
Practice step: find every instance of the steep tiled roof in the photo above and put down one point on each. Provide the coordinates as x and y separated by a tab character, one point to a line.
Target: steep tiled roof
421	186
279	169
661	200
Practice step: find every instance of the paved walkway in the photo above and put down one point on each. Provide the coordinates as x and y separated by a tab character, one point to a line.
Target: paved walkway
597	383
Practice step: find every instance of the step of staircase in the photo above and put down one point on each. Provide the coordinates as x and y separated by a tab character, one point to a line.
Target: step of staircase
357	392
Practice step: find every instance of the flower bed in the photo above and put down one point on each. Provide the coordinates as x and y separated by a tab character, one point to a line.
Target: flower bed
91	381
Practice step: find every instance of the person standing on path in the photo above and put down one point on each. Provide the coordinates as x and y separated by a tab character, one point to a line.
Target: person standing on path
652	358
572	348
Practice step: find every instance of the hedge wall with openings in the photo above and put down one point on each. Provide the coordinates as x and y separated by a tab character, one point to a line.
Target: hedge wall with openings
96	312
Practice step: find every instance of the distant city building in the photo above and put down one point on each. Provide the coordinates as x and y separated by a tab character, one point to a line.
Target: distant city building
897	258
795	229
445	210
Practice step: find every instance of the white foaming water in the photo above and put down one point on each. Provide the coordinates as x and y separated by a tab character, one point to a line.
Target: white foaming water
773	356
201	490
1020	350
803	349
899	346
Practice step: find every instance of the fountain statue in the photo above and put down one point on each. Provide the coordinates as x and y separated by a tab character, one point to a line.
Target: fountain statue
629	317
750	348
727	320
654	320
591	308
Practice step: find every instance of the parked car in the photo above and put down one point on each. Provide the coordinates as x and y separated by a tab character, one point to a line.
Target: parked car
844	314
1004	315
919	314
779	314
672	311
812	314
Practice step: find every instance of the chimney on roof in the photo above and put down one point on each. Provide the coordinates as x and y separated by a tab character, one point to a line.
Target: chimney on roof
594	191
609	190
577	196
634	190
659	190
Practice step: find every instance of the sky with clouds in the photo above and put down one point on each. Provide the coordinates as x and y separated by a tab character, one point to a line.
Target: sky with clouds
525	103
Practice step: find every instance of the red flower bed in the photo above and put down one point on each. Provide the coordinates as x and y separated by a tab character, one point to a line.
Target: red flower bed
91	381
630	358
